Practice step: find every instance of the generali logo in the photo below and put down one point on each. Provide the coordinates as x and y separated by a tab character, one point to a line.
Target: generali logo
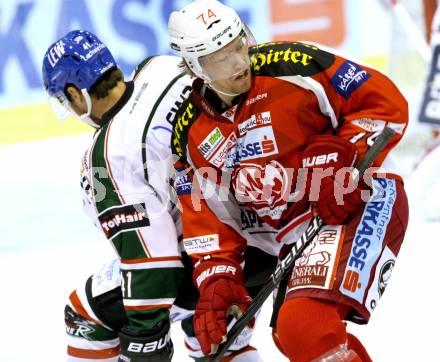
318	260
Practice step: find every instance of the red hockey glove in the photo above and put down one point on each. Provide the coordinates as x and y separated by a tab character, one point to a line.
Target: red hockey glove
222	293
333	193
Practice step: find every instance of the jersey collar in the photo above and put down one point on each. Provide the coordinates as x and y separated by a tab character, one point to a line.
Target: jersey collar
107	116
206	100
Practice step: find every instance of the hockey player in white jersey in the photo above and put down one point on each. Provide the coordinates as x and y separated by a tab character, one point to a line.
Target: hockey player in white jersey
123	312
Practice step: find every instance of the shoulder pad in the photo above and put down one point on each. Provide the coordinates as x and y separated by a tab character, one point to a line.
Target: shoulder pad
286	58
141	65
182	122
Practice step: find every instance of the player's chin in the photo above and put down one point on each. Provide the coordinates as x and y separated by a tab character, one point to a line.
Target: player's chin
242	85
246	87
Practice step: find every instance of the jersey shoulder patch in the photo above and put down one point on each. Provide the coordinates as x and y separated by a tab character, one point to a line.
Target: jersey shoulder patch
182	122
279	59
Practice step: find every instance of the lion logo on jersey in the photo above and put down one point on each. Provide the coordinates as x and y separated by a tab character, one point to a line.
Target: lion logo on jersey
316	253
265	187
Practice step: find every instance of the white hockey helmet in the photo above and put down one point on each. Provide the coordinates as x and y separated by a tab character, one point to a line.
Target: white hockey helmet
202	28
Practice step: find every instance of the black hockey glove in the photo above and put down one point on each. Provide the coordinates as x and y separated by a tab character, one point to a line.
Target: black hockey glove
154	347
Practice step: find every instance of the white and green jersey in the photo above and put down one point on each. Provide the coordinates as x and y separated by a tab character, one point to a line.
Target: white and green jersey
125	179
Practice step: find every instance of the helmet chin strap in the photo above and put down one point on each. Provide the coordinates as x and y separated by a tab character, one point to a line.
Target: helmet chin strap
222	92
85	117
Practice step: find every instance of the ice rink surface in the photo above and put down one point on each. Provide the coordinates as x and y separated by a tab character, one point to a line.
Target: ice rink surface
49	247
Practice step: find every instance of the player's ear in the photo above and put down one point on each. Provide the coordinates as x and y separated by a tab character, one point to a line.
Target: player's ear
75	96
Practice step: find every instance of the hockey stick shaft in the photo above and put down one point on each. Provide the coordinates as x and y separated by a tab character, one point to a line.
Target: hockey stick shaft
285	265
412	30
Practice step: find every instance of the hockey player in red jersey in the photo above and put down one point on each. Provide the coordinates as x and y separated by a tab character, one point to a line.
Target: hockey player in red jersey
261	120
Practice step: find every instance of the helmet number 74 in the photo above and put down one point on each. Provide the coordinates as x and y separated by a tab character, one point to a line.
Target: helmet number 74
210	15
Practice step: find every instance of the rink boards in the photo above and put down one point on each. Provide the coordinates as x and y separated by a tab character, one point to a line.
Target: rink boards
37	121
34	122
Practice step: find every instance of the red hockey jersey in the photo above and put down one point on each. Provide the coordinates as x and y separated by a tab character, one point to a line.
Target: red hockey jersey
250	153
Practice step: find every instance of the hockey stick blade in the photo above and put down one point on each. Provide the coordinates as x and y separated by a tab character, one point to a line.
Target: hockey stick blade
285	265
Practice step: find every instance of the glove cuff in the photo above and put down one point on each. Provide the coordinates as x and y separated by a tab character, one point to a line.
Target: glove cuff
324	151
154	347
208	271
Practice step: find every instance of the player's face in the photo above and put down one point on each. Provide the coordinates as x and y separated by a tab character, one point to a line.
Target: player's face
229	67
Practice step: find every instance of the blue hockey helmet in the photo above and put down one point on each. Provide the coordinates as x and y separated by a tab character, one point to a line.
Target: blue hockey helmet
79	58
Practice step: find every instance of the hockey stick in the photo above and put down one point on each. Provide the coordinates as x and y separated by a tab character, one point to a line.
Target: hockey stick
411	28
285	265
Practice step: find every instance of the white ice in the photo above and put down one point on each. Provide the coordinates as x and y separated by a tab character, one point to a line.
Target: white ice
49	247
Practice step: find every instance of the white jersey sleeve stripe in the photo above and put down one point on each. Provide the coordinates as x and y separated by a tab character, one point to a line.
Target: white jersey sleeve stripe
80	343
152	265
